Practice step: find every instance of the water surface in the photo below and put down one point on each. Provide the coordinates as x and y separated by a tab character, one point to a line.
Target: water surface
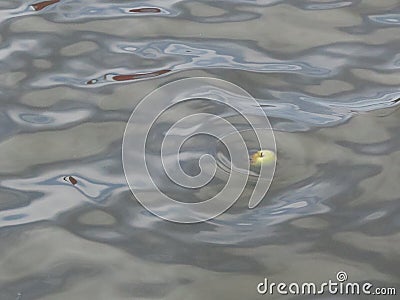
325	72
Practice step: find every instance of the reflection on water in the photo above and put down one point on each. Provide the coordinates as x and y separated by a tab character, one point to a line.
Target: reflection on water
325	72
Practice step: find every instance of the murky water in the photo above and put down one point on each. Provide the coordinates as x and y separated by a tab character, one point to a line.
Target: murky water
325	72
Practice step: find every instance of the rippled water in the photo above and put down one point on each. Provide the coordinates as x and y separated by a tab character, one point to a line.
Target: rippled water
325	72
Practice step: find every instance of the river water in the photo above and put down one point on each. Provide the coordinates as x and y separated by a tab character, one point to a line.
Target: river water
326	73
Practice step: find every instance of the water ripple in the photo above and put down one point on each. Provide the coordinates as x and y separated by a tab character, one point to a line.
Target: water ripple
71	71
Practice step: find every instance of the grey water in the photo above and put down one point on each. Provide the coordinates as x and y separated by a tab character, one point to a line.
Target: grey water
327	75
